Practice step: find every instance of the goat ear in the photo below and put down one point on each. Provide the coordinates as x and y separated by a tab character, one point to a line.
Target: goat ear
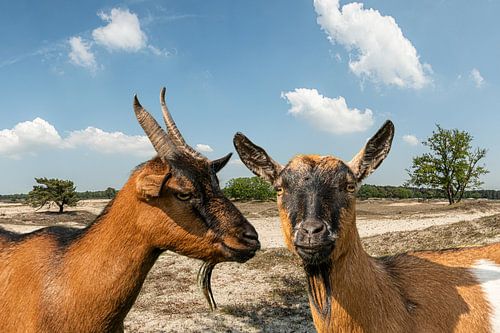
256	158
149	186
151	179
218	164
374	152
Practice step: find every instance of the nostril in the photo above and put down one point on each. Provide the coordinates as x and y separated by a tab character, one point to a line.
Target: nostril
250	235
249	232
251	238
314	227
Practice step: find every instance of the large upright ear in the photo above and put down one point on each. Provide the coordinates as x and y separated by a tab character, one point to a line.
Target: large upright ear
256	158
374	152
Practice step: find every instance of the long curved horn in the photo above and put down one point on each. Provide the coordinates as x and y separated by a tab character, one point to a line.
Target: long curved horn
173	132
155	133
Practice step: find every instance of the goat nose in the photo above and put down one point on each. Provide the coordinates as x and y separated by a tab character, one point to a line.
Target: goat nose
250	236
313	227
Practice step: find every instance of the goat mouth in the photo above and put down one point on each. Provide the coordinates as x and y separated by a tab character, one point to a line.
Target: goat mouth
314	254
240	255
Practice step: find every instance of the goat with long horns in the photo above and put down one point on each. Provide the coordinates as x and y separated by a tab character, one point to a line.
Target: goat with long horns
86	280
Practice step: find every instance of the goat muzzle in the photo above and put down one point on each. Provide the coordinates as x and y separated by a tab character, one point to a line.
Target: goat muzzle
313	241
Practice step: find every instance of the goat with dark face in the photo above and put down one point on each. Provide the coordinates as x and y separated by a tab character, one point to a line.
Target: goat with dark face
316	193
350	291
313	191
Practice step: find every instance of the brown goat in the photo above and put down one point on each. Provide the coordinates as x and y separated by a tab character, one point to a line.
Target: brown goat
68	280
456	290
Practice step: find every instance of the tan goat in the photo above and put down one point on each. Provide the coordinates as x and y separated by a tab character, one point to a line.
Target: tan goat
69	280
455	290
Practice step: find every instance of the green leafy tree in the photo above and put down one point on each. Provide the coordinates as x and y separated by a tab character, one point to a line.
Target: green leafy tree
252	188
452	165
57	191
110	192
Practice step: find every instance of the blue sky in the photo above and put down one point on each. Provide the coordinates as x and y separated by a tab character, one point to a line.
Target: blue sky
295	76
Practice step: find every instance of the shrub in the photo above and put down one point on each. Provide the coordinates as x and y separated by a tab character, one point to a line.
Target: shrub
252	188
58	191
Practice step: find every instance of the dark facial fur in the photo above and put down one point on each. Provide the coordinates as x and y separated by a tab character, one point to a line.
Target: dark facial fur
315	190
213	208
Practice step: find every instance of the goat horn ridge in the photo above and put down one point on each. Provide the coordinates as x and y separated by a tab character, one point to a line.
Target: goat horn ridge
153	130
172	131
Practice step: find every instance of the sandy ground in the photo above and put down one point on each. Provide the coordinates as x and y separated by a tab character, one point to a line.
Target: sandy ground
268	293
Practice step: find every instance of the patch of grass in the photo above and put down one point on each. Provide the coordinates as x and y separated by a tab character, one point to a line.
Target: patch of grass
47	218
290	289
466	233
273	316
269	258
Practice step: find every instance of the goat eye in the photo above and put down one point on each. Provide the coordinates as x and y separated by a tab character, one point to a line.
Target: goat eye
351	188
183	196
279	190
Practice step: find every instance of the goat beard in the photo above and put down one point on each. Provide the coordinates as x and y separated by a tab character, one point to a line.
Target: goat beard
204	283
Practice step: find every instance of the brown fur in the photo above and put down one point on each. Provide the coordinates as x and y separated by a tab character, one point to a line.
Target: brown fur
414	292
90	284
349	291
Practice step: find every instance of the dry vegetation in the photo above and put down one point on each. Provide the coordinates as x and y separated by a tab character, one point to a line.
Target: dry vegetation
267	294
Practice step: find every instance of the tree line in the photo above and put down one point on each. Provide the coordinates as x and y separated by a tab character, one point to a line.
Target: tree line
403	192
255	189
108	193
451	169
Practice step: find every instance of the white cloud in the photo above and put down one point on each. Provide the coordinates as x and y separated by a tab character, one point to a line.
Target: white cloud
236	162
123	31
27	137
475	76
379	50
327	114
31	137
81	55
109	142
159	52
203	148
410	139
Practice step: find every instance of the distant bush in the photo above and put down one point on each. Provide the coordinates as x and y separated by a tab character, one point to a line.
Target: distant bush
252	188
397	192
18	197
108	193
373	191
